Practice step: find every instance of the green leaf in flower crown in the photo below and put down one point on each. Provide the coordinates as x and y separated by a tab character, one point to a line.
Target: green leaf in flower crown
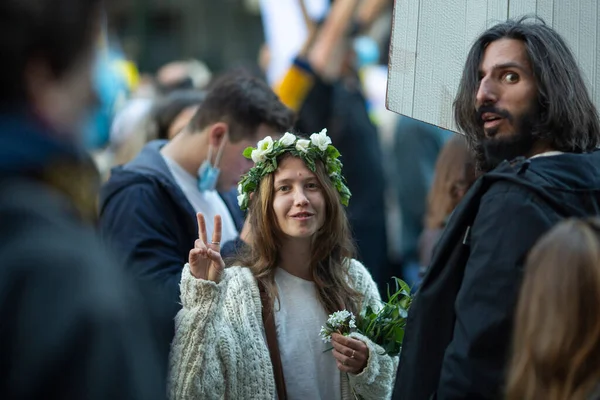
310	163
248	152
249	186
332	152
269	168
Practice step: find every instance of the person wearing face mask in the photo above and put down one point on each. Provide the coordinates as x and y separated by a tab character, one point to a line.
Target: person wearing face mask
148	205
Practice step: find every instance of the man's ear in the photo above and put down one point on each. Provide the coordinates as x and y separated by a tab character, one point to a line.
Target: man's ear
217	133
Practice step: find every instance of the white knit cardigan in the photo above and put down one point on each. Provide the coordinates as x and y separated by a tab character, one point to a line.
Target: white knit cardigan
220	352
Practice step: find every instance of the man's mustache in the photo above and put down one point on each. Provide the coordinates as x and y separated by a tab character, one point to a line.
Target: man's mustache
493	110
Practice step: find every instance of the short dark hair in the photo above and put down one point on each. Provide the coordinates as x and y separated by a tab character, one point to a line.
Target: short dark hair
58	32
244	102
165	110
568	119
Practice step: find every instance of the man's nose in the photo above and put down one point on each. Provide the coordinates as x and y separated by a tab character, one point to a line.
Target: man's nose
487	93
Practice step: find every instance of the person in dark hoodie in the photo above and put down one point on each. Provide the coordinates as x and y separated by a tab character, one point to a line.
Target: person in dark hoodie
72	323
148	207
524	108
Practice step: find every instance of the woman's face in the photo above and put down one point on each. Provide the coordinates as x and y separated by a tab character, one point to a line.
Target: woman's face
298	200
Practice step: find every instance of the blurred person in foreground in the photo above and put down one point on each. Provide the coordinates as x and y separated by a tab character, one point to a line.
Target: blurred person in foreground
453	176
147	207
72	322
556	340
524	109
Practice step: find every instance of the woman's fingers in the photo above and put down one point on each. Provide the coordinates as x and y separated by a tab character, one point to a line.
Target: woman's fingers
216	266
216	258
347	341
201	227
343	368
205	258
342	345
351	353
216	236
196	259
346	363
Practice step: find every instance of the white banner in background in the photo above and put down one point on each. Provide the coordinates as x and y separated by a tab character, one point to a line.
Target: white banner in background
285	31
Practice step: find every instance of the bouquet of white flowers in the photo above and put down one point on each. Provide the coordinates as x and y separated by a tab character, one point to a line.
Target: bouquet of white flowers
384	327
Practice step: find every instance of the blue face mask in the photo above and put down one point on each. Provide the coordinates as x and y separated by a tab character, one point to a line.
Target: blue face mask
208	174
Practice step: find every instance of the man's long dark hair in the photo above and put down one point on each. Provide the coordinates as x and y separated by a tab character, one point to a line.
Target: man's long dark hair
568	118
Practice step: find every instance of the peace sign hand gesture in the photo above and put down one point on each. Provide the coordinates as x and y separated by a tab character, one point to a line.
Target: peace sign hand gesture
205	258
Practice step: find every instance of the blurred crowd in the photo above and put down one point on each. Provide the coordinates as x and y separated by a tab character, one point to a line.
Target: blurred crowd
104	170
335	80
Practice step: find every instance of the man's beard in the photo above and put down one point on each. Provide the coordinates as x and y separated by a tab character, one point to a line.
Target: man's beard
491	151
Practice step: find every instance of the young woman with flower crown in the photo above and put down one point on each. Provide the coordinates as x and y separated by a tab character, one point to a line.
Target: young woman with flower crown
300	261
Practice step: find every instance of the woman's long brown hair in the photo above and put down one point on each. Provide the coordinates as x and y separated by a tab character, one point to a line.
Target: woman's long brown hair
556	340
454	174
331	250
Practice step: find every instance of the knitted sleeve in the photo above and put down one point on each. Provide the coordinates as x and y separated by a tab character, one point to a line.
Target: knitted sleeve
195	371
376	381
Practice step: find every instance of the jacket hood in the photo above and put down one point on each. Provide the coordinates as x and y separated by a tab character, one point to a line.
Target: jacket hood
148	166
570	182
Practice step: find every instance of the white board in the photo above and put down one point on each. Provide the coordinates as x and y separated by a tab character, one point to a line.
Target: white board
431	39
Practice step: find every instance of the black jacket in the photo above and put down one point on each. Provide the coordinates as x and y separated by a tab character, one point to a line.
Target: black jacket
458	333
72	323
148	219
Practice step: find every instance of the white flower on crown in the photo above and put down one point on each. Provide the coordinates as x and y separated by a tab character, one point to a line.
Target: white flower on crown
302	145
320	140
288	139
240	189
263	148
241	198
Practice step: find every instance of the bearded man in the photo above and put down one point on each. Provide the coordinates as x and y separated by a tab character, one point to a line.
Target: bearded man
525	111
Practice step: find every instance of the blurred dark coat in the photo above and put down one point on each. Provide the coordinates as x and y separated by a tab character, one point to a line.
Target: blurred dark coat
72	323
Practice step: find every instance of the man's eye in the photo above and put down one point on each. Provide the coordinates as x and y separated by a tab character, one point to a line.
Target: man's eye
511	77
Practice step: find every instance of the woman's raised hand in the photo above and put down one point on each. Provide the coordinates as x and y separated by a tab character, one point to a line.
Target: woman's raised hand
205	258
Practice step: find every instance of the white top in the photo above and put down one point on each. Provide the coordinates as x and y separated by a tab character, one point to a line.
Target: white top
309	372
208	203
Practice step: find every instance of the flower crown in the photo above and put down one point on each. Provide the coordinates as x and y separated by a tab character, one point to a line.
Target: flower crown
265	156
